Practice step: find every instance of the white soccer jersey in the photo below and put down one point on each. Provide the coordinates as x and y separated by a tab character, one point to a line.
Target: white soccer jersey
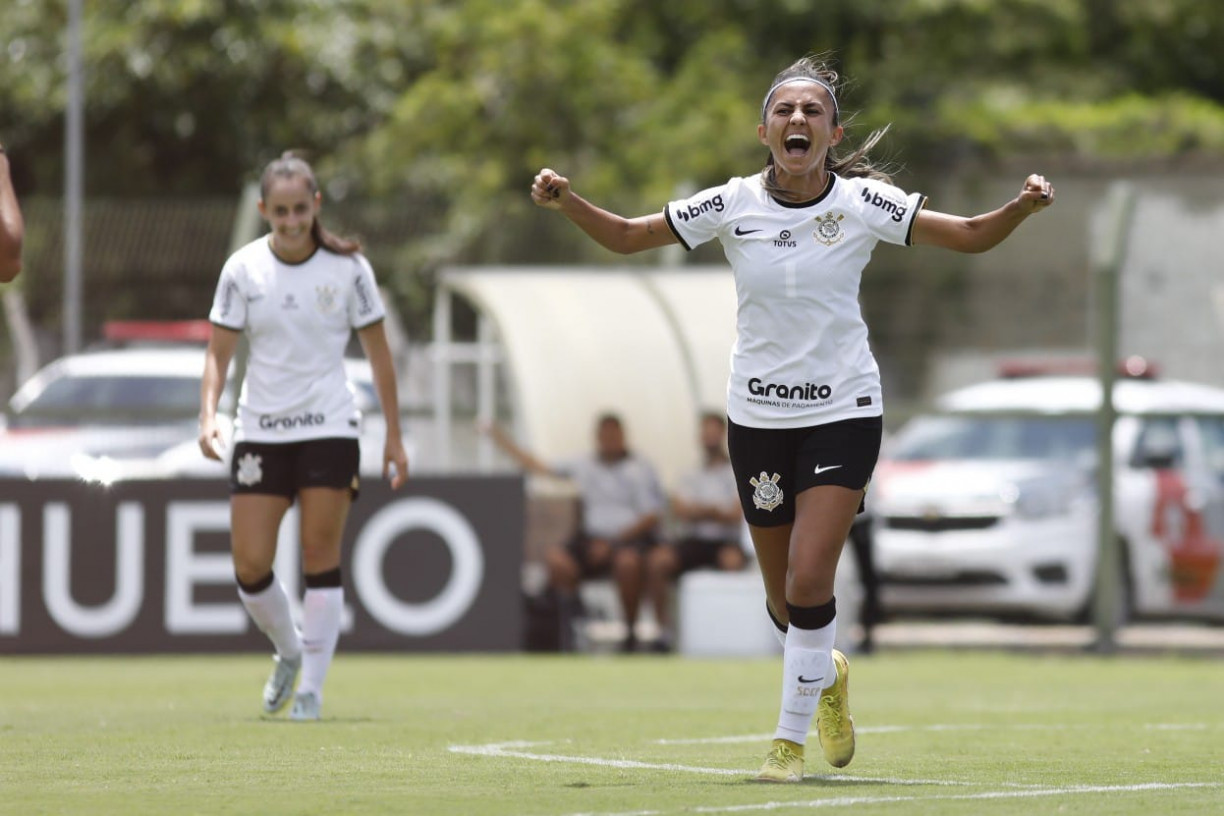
801	355
298	319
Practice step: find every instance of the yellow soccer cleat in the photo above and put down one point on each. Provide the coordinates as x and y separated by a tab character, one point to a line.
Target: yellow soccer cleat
783	764
833	721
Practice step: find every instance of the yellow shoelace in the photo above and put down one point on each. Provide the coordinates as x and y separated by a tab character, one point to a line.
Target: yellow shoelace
781	757
831	712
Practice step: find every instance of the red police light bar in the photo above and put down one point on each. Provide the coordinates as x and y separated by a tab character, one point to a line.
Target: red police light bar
157	331
1133	367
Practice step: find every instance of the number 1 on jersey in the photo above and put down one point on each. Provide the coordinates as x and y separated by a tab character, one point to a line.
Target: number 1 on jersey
791	288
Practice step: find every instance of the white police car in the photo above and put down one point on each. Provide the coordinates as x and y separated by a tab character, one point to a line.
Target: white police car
989	504
102	416
132	413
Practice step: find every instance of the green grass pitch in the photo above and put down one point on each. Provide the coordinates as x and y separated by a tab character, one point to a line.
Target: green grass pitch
939	733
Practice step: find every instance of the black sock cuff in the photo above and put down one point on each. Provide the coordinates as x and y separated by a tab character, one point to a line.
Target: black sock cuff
323	580
781	627
256	587
812	617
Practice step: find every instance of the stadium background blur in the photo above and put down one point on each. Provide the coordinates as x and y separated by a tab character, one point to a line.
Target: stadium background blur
427	120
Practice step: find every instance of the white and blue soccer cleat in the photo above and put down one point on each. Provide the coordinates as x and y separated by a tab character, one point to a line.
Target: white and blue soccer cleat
306	707
281	683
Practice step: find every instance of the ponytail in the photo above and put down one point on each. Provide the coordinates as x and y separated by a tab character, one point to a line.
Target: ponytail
332	242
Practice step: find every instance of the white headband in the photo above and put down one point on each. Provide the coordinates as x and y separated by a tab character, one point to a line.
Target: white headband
820	82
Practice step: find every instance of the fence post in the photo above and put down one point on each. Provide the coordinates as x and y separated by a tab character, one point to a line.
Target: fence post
1107	250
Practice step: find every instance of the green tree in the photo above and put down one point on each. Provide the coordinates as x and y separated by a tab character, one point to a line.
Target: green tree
190	97
438	113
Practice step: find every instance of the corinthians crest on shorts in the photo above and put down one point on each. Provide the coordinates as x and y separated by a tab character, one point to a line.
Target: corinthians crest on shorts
767	495
250	470
828	228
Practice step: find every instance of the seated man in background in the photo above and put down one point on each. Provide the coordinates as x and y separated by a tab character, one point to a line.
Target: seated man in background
709	524
621	507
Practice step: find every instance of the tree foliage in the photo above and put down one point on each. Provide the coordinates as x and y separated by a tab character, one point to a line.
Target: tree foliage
451	107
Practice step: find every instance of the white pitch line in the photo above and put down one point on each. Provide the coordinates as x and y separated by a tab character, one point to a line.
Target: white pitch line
843	801
506	749
862	729
503	750
1015	790
718	740
937	727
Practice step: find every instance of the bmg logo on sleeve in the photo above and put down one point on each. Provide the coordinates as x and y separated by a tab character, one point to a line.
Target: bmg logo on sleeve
712	204
886	204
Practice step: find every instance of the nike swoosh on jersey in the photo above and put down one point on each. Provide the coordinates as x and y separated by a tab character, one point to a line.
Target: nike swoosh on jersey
820	469
739	231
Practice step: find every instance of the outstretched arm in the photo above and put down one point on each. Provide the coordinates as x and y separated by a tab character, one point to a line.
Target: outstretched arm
611	231
986	231
525	459
12	227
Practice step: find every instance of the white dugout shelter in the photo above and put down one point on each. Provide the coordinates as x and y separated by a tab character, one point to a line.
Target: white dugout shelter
652	345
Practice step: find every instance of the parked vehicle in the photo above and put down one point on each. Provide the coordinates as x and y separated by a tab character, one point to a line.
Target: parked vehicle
132	413
989	504
102	416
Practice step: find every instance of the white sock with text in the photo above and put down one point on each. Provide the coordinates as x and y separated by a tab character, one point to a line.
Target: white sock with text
807	669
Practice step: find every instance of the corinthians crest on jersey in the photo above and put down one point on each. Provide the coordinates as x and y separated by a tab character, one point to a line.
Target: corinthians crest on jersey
828	228
325	298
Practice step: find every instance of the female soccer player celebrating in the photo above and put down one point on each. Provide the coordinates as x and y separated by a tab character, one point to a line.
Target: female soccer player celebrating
804	398
298	293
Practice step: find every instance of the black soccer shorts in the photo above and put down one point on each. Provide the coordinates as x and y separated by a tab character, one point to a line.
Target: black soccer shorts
772	465
284	468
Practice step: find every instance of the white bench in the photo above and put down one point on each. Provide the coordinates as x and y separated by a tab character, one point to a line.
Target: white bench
722	614
717	614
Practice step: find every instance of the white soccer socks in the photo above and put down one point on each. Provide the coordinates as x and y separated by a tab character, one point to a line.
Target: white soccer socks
779	628
268	606
321	610
807	669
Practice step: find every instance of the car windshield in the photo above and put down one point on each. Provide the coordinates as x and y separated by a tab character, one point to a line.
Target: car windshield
1211	428
110	400
995	437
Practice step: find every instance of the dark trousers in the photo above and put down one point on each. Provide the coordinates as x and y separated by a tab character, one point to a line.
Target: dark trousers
869	615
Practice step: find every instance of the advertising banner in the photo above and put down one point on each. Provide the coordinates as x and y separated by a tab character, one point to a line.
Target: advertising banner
144	566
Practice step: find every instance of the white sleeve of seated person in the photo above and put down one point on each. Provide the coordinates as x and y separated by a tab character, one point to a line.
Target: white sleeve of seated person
650	498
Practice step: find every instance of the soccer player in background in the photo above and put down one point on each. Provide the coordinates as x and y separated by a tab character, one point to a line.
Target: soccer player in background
804	398
298	293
